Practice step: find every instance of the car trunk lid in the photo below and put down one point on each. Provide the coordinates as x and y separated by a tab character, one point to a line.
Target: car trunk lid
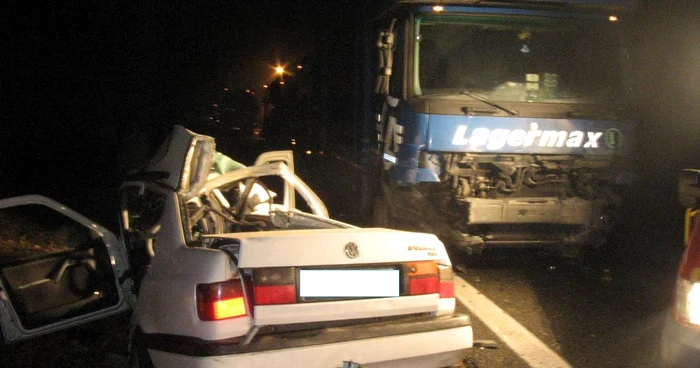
306	276
326	247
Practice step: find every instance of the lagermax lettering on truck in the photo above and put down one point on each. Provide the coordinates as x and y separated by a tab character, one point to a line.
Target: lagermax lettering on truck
498	138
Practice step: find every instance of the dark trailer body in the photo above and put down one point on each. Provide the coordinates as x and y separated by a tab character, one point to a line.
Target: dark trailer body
501	123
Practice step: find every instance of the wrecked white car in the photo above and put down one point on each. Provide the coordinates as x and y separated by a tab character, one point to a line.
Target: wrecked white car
227	265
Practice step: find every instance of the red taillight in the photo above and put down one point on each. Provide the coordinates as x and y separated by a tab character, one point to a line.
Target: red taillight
687	306
690	263
423	278
221	300
275	294
275	286
423	285
427	277
447	282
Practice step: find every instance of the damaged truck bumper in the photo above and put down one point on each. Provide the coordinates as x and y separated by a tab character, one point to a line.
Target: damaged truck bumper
565	225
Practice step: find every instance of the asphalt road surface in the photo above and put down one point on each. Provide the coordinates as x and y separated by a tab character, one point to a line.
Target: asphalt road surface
547	313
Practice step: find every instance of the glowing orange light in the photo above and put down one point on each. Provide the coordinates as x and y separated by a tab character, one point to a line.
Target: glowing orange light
264	85
308	152
279	70
613	18
438	8
299	67
229	308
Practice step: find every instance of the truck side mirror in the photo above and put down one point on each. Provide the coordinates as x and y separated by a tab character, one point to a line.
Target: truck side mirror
385	46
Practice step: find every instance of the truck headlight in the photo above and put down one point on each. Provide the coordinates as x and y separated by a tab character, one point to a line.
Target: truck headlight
688	302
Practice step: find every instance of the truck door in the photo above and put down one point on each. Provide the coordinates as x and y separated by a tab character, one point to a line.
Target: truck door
58	269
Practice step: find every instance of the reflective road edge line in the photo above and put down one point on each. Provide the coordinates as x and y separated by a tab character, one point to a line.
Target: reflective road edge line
532	350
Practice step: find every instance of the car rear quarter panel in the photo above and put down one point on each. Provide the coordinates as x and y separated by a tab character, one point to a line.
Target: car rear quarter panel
167	303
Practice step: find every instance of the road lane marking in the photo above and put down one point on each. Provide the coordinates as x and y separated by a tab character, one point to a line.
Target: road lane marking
531	349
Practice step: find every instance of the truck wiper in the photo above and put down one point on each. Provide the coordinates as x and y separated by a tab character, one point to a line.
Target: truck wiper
481	99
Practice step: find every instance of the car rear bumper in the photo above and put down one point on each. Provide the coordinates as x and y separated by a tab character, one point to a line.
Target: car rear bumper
413	342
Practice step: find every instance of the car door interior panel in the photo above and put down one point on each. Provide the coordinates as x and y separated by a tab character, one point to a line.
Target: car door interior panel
48	288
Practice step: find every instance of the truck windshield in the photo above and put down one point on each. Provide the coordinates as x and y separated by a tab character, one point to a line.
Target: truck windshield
518	58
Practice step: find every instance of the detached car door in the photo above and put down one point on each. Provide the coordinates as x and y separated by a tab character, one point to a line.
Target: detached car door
58	269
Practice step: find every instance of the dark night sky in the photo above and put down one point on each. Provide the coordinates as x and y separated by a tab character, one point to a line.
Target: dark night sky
79	76
157	59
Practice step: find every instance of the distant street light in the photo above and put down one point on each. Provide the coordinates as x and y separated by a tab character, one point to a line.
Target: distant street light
279	70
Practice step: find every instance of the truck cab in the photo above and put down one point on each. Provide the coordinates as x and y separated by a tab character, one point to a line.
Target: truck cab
503	123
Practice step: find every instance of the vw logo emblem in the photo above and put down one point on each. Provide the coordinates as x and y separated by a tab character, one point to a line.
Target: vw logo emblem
351	250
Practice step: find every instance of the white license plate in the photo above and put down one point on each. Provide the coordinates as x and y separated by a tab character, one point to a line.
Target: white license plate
348	283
